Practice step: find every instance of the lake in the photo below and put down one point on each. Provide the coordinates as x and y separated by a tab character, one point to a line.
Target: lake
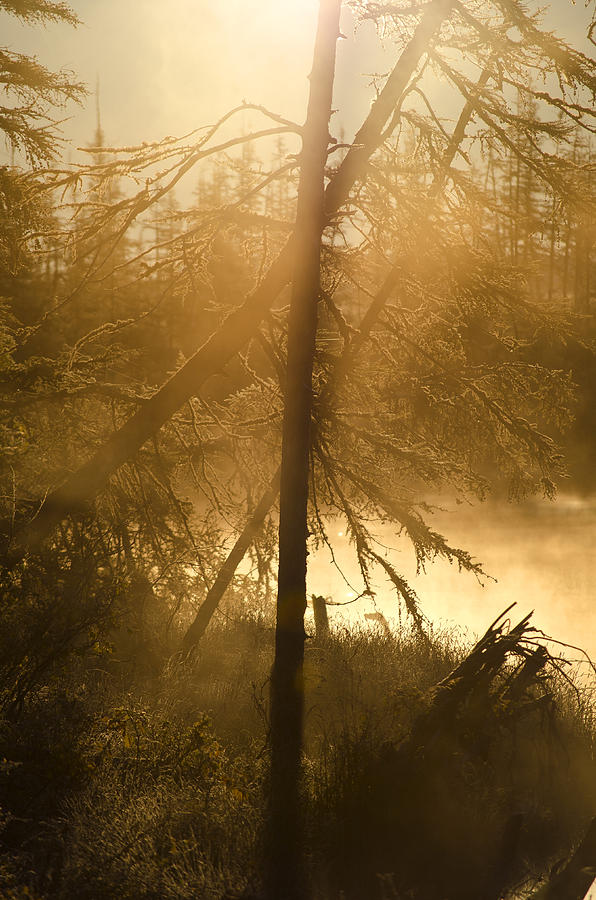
541	553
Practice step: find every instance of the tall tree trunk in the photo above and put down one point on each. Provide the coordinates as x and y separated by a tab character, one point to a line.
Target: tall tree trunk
565	276
285	874
77	492
582	265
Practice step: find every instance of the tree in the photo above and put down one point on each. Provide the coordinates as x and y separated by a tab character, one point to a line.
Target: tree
26	122
285	870
79	490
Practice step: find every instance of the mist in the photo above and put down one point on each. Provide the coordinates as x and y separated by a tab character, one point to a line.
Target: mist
297	494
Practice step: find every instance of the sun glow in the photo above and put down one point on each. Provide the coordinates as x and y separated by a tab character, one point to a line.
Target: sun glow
251	40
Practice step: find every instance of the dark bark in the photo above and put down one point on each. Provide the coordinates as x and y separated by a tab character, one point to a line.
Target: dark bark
197	629
367	139
319	608
285	876
78	491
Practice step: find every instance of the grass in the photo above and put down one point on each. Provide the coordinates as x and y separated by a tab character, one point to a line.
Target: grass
115	786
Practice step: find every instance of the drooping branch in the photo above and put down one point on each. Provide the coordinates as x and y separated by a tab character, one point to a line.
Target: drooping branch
405	591
40	11
426	542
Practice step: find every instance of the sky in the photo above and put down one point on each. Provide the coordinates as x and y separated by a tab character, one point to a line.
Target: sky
167	68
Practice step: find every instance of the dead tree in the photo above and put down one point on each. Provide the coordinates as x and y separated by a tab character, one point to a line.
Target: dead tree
246	537
319	608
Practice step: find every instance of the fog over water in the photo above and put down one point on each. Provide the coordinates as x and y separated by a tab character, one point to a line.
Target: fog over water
541	553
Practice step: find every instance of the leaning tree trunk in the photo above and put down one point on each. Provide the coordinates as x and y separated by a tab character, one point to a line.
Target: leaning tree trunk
285	874
198	626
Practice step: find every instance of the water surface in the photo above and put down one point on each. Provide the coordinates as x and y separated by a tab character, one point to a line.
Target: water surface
542	555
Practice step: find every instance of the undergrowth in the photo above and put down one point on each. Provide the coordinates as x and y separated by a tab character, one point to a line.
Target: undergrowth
113	786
